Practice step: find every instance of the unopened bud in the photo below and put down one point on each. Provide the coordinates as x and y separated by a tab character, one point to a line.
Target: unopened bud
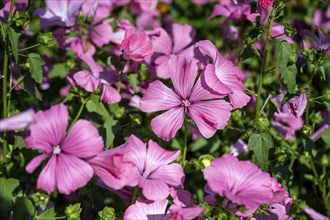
47	39
21	18
261	124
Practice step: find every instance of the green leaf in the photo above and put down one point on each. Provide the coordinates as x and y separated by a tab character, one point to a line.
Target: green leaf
23	208
133	80
260	145
108	213
94	105
58	70
36	63
197	145
19	142
13	38
49	214
8	189
289	77
309	145
111	130
326	136
28	85
283	50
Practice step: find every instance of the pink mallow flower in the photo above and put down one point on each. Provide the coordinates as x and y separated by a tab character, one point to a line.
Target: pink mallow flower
156	210
97	77
136	45
18	121
297	105
242	182
222	76
207	111
265	8
178	43
66	169
154	175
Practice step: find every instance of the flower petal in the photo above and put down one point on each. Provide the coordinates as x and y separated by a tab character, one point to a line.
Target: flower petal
109	94
210	116
18	121
83	140
86	80
183	35
136	151
163	43
208	48
158	97
49	129
35	162
171	174
101	34
202	91
183	75
167	124
154	189
72	173
47	178
238	98
147	210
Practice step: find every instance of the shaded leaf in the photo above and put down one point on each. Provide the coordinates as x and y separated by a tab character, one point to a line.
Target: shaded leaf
58	70
13	38
289	77
36	63
283	50
93	105
23	208
49	214
260	145
8	189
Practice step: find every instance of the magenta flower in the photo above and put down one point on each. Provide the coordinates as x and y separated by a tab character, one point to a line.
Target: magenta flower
242	182
136	45
97	77
66	169
155	175
320	42
265	8
18	121
188	97
59	12
297	105
222	76
179	43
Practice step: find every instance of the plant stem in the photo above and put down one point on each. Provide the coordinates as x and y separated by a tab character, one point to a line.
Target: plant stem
4	82
120	77
263	66
30	47
83	103
185	147
134	196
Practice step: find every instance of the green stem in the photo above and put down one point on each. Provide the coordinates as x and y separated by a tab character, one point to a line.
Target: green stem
120	77
30	47
4	82
83	103
262	69
265	104
134	196
185	147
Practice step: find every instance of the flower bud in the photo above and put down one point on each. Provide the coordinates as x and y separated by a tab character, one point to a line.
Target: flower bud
289	30
46	39
307	131
21	18
72	212
261	124
206	160
108	213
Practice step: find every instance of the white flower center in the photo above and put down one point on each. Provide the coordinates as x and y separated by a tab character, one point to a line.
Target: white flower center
185	103
57	149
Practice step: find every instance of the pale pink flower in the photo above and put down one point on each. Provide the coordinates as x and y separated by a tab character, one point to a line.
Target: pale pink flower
222	76
265	8
207	111
66	169
155	175
242	182
178	43
136	45
59	12
17	121
297	105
